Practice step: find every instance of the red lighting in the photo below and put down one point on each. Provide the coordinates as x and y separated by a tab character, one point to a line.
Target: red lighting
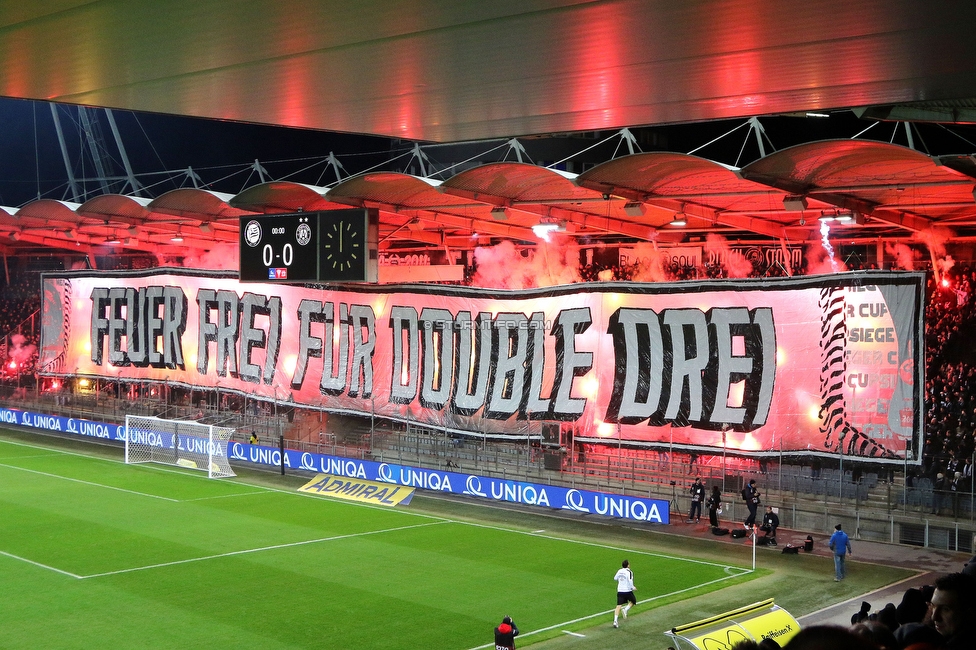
945	283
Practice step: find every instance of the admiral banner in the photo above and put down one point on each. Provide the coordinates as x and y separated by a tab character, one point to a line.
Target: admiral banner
358	490
817	363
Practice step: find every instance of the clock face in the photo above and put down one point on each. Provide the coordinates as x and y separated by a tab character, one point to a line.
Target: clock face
343	248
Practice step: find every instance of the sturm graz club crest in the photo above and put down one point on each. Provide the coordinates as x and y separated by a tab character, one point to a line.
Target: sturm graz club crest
304	233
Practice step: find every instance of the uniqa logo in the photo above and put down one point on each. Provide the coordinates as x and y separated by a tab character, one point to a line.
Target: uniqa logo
575	501
520	493
473	486
626	508
237	451
341	467
384	473
427	480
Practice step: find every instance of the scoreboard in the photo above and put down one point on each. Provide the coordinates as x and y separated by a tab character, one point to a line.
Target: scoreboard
324	246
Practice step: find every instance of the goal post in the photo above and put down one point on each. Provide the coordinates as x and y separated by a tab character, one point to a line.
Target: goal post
178	442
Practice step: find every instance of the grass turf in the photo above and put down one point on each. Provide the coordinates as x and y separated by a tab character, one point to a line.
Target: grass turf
95	553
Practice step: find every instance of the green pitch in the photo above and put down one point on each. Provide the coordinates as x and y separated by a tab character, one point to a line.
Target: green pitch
98	554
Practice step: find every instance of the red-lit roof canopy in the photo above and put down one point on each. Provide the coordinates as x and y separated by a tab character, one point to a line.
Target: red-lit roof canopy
468	69
882	191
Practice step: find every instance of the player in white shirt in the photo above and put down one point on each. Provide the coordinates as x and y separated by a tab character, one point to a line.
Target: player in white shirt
625	591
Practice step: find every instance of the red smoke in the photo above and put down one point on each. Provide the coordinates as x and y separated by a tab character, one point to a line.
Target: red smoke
19	350
904	256
735	263
505	267
222	257
650	263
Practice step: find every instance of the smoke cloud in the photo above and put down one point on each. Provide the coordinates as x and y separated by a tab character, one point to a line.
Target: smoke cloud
650	264
19	350
935	240
904	256
734	262
505	267
821	257
222	257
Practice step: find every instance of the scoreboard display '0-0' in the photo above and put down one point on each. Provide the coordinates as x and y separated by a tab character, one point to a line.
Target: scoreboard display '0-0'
325	246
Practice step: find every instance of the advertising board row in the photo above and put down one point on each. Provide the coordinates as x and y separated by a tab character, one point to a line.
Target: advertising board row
585	502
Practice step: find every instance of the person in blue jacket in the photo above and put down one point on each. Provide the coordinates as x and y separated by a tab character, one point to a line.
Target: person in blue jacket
840	544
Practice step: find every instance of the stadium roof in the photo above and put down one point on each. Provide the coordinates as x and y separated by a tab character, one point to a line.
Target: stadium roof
453	70
867	190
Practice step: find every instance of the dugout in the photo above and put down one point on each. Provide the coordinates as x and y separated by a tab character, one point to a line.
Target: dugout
753	622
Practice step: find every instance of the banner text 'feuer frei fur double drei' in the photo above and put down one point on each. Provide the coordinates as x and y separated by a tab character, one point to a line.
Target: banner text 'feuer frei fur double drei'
817	363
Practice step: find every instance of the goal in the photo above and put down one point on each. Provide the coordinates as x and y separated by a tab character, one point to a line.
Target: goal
178	442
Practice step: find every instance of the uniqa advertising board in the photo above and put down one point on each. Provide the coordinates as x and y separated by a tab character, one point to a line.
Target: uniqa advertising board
533	494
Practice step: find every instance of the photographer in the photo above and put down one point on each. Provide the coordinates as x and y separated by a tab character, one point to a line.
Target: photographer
697	497
751	496
505	634
770	522
714	505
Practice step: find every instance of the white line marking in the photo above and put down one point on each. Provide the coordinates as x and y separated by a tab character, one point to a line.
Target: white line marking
59	451
610	611
258	550
224	496
582	636
38	564
607	546
78	480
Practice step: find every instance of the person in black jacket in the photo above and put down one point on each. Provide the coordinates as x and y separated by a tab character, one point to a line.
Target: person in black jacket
714	504
505	634
697	497
770	522
751	496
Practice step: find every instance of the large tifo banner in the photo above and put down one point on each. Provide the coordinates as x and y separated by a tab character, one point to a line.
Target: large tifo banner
587	502
815	363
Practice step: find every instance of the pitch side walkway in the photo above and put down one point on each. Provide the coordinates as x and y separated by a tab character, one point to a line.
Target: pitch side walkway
932	562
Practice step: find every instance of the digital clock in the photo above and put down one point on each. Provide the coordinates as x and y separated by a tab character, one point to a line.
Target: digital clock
324	246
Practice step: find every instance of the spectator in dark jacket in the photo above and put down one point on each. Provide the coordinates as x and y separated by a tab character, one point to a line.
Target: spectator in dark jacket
505	634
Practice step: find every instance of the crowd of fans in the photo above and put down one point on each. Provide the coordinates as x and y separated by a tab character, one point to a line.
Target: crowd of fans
950	386
937	616
18	302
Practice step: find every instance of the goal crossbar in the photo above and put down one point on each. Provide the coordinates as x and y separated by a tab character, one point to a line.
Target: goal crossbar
184	443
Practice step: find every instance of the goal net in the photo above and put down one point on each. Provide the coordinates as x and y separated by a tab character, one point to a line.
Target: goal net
178	442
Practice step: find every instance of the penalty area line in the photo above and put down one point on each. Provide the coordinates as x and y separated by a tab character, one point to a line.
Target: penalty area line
259	549
610	611
38	564
91	483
